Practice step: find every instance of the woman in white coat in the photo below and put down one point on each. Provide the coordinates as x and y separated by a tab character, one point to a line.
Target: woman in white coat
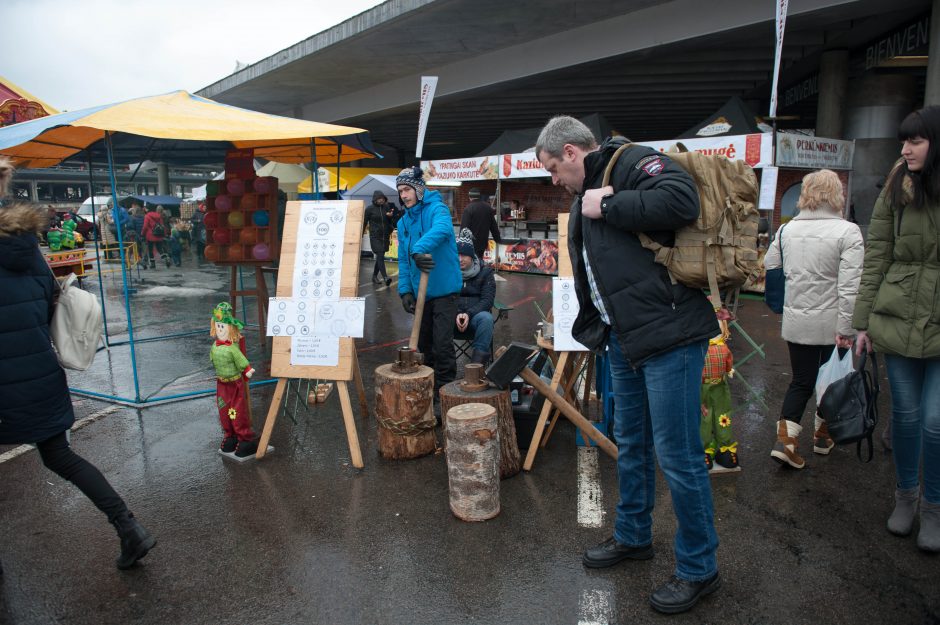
822	261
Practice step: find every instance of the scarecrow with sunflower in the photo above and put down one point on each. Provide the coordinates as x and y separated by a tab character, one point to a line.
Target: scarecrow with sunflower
232	371
721	447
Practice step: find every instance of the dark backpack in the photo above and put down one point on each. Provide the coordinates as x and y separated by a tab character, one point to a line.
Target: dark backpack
158	230
849	406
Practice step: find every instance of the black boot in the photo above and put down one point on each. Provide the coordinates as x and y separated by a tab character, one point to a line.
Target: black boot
479	358
246	448
136	541
228	444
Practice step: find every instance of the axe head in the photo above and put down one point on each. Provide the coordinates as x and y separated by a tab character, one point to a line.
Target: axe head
508	365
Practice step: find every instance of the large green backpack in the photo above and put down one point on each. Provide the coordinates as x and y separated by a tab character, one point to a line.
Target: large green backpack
719	250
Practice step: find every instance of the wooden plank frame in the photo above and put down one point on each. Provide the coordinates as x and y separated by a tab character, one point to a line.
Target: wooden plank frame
347	369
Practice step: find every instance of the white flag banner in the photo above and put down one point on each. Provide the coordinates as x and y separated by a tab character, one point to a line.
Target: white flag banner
428	86
781	25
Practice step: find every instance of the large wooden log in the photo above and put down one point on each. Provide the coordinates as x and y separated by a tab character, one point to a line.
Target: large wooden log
473	461
404	412
510	460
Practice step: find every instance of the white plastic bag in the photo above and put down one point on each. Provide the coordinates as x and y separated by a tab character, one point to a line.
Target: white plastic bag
834	369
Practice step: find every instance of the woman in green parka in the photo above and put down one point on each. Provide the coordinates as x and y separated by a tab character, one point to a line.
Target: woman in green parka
897	313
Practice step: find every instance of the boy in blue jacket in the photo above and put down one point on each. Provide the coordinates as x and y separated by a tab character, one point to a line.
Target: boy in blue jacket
426	243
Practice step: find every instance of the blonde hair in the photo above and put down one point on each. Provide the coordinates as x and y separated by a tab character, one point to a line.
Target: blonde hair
6	175
819	188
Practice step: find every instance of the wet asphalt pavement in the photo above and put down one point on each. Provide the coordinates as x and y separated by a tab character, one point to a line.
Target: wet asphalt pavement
303	537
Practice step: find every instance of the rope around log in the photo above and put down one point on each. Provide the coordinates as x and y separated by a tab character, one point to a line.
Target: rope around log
407	428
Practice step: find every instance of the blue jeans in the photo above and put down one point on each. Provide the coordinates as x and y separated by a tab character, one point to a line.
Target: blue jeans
915	421
657	406
482	326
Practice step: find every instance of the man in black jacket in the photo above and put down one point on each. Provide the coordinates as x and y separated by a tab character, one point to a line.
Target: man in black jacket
656	335
479	217
477	296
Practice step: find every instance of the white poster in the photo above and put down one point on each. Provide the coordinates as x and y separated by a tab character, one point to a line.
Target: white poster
318	263
768	188
288	316
565	310
522	165
428	87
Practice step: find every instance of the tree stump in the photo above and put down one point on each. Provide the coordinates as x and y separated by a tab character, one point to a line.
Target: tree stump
473	461
404	412
453	394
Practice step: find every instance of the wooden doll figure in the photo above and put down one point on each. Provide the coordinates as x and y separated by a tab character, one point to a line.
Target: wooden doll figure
721	448
232	371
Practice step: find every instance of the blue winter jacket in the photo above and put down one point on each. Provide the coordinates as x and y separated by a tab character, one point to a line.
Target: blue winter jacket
426	228
34	396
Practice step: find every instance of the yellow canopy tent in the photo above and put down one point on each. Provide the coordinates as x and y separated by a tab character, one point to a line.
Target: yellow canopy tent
349	177
182	129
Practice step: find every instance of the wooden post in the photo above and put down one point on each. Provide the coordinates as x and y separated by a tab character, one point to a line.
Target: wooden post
403	409
453	394
473	461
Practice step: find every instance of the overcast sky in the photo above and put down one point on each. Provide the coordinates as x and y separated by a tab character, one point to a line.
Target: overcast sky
79	53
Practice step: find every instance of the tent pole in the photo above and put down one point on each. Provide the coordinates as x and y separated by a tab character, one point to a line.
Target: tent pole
94	225
127	301
314	168
339	157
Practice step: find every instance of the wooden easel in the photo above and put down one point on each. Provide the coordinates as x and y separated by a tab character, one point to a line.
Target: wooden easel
567	364
260	293
347	369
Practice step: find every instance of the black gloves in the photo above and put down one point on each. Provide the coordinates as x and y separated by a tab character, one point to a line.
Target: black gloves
424	262
408	303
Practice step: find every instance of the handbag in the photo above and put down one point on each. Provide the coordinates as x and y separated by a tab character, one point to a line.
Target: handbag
849	406
775	282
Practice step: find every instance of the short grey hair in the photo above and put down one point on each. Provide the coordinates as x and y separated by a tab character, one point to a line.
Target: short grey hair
561	130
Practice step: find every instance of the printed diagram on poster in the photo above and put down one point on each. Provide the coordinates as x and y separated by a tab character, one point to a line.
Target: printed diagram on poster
565	309
318	263
288	316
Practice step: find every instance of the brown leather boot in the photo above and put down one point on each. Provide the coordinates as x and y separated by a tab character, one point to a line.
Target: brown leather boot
784	450
822	442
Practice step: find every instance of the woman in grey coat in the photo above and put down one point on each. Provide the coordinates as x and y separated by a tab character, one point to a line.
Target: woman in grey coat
822	262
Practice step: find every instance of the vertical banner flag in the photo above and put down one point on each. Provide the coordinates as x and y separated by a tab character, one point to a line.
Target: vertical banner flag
781	25
428	85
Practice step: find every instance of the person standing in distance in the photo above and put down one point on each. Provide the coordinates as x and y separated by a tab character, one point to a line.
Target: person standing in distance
479	217
656	335
426	243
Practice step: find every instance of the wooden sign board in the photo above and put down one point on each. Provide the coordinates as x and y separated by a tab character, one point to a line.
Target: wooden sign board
281	366
564	261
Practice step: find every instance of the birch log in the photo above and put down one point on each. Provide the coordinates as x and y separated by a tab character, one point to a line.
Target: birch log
473	461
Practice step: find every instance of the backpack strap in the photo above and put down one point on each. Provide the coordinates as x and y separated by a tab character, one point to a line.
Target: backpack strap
872	388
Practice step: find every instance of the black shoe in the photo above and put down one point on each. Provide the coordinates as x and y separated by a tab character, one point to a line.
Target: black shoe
388	281
228	444
136	541
678	595
246	448
610	552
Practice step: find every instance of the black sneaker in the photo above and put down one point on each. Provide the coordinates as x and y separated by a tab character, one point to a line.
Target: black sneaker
610	552
388	281
709	462
679	595
228	444
246	448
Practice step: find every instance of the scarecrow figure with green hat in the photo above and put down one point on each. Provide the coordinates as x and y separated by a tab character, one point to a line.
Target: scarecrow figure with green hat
232	370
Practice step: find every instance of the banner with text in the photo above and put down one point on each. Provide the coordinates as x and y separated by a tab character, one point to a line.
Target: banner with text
523	165
814	152
460	169
756	150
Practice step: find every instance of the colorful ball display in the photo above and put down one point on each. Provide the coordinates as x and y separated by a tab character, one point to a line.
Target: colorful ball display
261	218
223	202
211	220
249	202
235	252
212	252
236	219
261	252
265	185
248	236
235	186
221	236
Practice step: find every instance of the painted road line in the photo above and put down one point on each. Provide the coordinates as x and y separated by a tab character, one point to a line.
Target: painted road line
590	504
22	449
594	607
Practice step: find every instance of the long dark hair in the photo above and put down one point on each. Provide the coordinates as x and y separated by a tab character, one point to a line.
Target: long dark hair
924	184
